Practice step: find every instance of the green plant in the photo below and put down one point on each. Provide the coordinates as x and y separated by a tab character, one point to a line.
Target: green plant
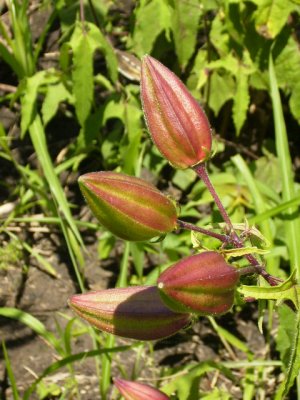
202	283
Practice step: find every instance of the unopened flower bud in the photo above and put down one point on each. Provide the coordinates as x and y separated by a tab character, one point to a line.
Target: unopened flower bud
202	283
138	391
129	207
135	312
177	123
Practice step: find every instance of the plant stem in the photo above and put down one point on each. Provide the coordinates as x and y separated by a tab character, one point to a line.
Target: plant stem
201	171
259	269
234	239
192	227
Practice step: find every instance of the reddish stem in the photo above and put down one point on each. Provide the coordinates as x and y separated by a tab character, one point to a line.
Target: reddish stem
201	171
192	227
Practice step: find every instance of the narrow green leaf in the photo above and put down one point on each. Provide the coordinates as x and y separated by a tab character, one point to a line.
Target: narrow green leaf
9	58
28	100
38	138
33	323
83	84
232	339
10	374
243	251
292	224
275	210
71	359
259	203
286	333
294	363
288	290
182	385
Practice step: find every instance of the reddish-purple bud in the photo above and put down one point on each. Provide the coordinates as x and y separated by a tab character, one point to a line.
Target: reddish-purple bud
138	391
202	283
129	207
177	123
135	312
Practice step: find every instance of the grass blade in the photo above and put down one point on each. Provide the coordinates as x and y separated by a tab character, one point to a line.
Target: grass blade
275	210
71	359
69	228
33	323
259	205
292	224
38	138
10	373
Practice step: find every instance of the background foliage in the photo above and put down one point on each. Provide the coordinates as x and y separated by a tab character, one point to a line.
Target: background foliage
74	85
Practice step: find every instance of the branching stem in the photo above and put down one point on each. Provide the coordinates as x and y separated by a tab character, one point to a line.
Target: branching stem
192	227
234	239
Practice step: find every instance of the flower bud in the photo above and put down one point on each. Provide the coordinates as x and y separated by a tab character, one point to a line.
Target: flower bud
135	312
202	283
177	124
138	391
129	207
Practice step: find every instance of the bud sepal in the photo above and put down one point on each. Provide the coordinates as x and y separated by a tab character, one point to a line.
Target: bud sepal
135	312
129	207
203	283
131	390
176	122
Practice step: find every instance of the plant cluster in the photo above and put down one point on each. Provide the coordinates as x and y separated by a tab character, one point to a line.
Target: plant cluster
131	208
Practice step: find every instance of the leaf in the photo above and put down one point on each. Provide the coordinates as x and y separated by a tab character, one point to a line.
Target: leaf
152	18
242	251
198	76
182	385
294	363
33	323
287	66
38	138
133	124
219	36
99	42
241	99
287	63
10	373
271	16
28	100
295	101
69	360
9	58
55	95
221	90
286	333
292	224
82	75
288	290
185	20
